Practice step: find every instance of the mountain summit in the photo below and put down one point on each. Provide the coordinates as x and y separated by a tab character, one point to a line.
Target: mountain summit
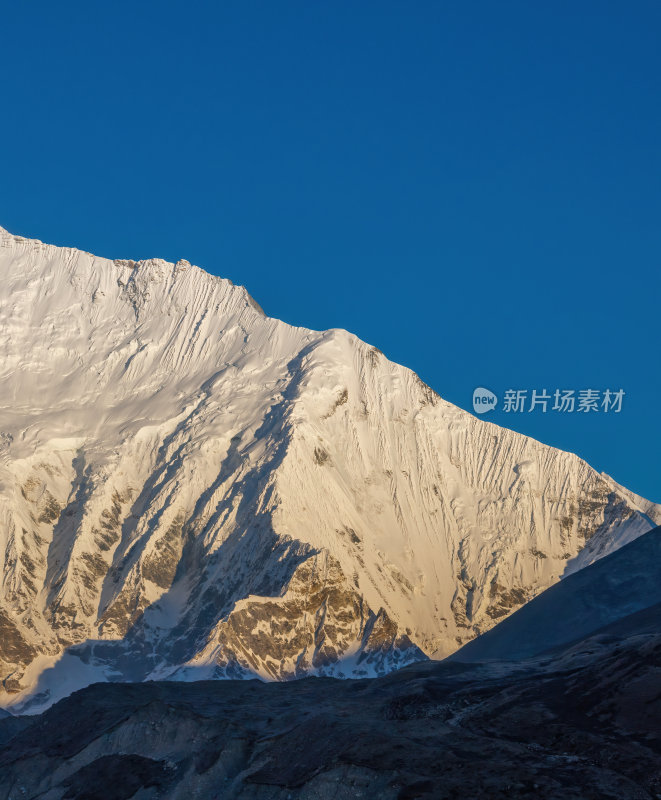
191	489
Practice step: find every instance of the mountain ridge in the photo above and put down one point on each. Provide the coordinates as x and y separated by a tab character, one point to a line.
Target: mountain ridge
177	470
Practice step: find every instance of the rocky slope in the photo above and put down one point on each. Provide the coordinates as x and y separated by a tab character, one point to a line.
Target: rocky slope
191	489
622	583
583	725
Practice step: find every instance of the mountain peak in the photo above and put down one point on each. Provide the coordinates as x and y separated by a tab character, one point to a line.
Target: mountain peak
189	487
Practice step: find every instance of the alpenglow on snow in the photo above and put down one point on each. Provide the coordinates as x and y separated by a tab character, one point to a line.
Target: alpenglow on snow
190	489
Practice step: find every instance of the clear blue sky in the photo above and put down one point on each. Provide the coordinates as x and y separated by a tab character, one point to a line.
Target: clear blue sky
474	187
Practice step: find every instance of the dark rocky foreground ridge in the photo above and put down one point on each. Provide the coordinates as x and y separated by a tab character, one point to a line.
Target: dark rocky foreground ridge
582	720
582	723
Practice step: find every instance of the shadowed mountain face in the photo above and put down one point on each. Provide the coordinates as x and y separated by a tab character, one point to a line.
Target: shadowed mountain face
191	489
583	724
609	590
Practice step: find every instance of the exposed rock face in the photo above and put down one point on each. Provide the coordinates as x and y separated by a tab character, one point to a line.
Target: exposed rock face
583	724
614	587
189	488
320	625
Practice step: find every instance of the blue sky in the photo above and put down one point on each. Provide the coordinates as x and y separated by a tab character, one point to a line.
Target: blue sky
473	187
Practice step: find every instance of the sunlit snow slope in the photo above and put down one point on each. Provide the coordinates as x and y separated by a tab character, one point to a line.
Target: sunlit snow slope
189	488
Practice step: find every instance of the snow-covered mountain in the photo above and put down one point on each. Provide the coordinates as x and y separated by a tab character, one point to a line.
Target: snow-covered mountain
189	488
615	587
